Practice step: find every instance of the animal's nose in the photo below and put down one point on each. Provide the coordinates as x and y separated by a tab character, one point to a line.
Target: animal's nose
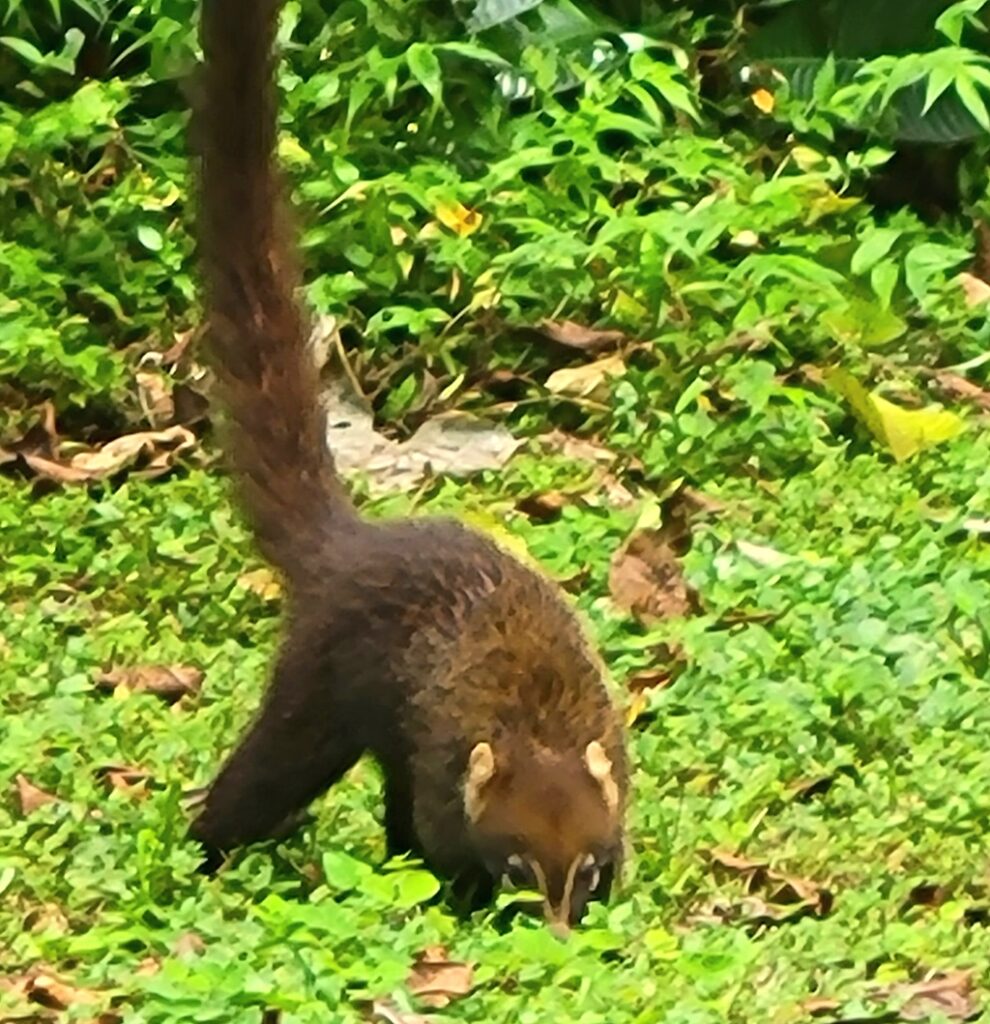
557	919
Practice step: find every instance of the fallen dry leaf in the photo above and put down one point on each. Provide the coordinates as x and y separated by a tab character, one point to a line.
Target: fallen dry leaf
148	966
645	578
54	471
154	451
31	797
181	340
544	508
160	447
125	779
435	980
577	336
48	917
579	449
669	663
453	444
976	291
649	679
155	396
588	381
44	987
189	944
818	1005
41	438
170	682
955	386
949	993
782	897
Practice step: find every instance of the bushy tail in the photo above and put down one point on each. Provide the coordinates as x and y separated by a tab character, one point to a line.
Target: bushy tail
258	334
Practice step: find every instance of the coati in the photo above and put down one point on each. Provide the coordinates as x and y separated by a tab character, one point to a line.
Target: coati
461	671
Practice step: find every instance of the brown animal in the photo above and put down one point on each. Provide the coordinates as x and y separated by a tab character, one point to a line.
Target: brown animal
463	672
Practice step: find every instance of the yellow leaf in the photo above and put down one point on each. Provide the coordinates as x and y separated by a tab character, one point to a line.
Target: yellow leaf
458	218
807	158
763	101
291	152
828	203
637	705
904	431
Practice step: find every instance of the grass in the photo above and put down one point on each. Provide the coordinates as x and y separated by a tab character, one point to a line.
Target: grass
831	721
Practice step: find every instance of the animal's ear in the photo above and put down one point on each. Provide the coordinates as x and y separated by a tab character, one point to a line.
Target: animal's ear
600	766
481	768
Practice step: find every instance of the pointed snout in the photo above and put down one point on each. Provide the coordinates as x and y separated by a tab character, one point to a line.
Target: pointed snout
557	919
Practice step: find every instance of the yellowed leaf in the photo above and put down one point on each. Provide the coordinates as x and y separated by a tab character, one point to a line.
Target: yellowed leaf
587	380
807	158
290	151
763	100
458	218
262	582
904	432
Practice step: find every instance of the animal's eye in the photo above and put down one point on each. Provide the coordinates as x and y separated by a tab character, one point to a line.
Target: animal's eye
517	873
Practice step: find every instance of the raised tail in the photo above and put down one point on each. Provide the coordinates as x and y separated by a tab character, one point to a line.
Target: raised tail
258	333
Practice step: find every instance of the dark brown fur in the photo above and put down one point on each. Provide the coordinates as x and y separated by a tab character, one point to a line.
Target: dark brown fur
415	641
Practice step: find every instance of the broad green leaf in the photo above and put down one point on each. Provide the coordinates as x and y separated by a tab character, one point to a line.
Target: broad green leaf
415	887
863	323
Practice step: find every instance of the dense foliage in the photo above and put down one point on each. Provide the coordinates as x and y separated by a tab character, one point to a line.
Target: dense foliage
769	212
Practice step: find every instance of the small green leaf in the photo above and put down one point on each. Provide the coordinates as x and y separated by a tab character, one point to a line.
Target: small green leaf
416	887
874	246
938	81
343	872
973	101
425	68
28	51
150	238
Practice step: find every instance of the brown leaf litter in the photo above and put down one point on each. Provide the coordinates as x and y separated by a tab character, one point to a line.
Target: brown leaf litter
435	980
30	797
646	580
170	682
772	897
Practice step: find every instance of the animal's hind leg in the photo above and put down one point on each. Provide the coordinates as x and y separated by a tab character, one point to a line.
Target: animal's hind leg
299	745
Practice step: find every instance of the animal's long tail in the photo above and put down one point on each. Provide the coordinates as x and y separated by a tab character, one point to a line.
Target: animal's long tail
258	334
